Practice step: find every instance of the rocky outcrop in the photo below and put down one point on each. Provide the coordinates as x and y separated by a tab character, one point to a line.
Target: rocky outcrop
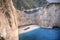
49	17
8	21
46	17
25	19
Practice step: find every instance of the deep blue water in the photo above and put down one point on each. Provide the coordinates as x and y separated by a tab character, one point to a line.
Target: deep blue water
41	34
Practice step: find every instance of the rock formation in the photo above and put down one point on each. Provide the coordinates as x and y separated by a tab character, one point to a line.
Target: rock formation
8	20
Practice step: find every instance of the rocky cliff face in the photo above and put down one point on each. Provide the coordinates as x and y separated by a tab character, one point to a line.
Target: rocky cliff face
8	23
45	17
25	19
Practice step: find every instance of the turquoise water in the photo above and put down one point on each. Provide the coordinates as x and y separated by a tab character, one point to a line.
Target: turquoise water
41	34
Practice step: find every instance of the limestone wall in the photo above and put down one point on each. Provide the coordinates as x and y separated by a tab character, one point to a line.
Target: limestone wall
24	18
45	17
